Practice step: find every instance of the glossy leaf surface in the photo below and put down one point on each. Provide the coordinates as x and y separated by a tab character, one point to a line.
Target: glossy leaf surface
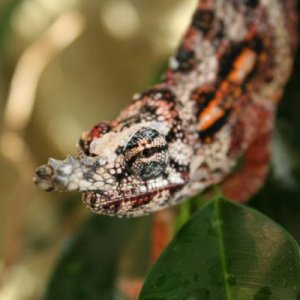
227	251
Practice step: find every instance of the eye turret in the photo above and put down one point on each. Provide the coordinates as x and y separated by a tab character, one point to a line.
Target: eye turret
146	154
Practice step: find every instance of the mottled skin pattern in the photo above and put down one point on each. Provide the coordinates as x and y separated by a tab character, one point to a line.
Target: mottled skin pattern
216	100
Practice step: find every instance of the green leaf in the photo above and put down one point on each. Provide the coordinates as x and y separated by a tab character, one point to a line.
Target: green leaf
89	267
76	276
227	251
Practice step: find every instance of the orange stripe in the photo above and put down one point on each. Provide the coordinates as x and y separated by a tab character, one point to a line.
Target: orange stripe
241	68
208	120
212	112
243	65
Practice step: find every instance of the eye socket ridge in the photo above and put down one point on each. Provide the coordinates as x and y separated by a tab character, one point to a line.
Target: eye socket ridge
144	134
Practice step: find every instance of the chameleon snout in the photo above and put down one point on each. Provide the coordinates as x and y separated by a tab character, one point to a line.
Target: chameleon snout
59	175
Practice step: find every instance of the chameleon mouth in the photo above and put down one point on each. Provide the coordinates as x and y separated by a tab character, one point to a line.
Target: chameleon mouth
127	201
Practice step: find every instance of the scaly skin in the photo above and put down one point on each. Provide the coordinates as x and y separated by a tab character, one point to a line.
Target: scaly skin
187	132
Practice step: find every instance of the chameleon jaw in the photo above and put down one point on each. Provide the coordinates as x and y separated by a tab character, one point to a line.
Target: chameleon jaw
134	203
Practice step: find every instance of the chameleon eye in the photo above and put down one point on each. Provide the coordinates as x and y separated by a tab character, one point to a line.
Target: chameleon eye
146	154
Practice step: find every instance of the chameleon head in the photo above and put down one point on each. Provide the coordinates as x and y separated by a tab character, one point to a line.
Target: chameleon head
122	169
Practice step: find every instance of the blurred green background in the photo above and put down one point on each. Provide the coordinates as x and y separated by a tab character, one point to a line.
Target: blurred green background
64	66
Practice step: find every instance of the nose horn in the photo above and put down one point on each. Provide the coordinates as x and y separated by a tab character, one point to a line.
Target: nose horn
55	176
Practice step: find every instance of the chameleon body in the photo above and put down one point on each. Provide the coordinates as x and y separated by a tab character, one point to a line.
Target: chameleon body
187	133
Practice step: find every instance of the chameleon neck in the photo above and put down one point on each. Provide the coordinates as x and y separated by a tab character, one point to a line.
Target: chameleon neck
233	54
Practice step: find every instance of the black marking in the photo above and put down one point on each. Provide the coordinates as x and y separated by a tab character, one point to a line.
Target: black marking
215	127
179	167
113	207
148	134
120	176
126	123
148	109
171	136
251	3
82	145
203	97
228	59
257	44
90	198
120	150
220	33
85	146
203	20
159	94
186	60
176	131
92	202
148	152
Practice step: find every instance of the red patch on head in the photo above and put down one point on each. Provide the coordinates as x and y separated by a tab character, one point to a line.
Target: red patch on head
96	132
99	130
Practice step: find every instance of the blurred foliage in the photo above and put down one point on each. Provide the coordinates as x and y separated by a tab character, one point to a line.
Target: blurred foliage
5	21
100	253
90	264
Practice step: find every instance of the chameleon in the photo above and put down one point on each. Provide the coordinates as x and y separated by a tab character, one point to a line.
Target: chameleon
216	103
